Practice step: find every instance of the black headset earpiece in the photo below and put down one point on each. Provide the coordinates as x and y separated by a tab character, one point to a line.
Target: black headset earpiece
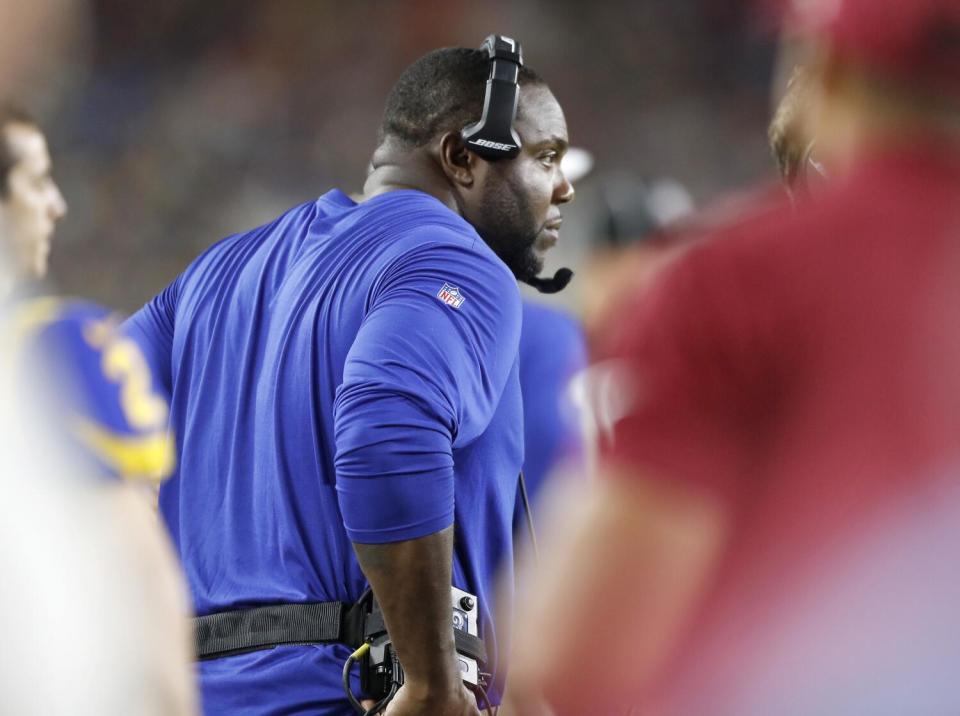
493	137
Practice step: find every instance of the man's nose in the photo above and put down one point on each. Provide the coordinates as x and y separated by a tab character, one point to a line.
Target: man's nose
564	191
58	205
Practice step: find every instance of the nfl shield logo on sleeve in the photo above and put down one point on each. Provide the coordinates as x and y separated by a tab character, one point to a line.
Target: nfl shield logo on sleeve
451	296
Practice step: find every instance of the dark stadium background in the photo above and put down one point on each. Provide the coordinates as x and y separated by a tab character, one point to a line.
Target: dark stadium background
176	122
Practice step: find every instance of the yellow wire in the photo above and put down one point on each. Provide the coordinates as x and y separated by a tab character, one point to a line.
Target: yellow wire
361	651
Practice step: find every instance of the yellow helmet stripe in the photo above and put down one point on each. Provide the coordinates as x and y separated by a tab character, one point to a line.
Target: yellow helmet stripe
148	456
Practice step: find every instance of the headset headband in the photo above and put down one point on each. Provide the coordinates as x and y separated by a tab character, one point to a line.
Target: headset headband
493	137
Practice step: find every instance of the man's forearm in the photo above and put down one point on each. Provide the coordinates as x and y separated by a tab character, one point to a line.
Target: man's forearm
411	581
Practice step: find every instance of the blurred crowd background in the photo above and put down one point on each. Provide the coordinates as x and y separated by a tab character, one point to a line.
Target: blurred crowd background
176	123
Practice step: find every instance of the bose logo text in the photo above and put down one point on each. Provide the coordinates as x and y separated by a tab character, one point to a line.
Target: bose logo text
494	145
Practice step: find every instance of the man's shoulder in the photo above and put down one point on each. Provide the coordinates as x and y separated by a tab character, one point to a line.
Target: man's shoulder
283	223
733	250
726	274
747	223
543	322
418	217
221	262
539	311
95	386
425	235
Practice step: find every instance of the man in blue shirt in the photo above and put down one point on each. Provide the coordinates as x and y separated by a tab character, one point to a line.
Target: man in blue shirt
551	420
345	397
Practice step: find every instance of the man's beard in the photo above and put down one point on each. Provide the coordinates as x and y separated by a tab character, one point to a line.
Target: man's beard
517	254
507	229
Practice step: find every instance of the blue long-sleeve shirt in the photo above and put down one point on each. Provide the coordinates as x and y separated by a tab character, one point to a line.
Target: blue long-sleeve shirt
346	372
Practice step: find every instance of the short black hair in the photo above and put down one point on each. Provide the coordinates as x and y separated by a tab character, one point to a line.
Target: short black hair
441	92
9	114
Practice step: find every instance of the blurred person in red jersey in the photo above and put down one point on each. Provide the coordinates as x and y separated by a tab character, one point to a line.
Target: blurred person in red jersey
638	220
774	525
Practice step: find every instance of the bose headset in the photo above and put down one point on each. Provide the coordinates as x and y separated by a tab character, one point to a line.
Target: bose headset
494	137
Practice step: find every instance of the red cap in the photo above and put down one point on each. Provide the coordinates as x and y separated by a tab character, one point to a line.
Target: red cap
916	40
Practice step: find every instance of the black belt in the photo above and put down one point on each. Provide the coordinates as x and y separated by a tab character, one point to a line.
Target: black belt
244	630
237	632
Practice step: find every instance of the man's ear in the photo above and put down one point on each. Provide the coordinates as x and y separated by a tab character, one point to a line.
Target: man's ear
459	164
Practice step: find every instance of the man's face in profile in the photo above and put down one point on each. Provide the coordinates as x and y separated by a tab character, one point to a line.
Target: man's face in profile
518	213
30	204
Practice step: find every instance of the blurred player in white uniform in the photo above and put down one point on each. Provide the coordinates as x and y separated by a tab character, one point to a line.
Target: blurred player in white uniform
92	611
